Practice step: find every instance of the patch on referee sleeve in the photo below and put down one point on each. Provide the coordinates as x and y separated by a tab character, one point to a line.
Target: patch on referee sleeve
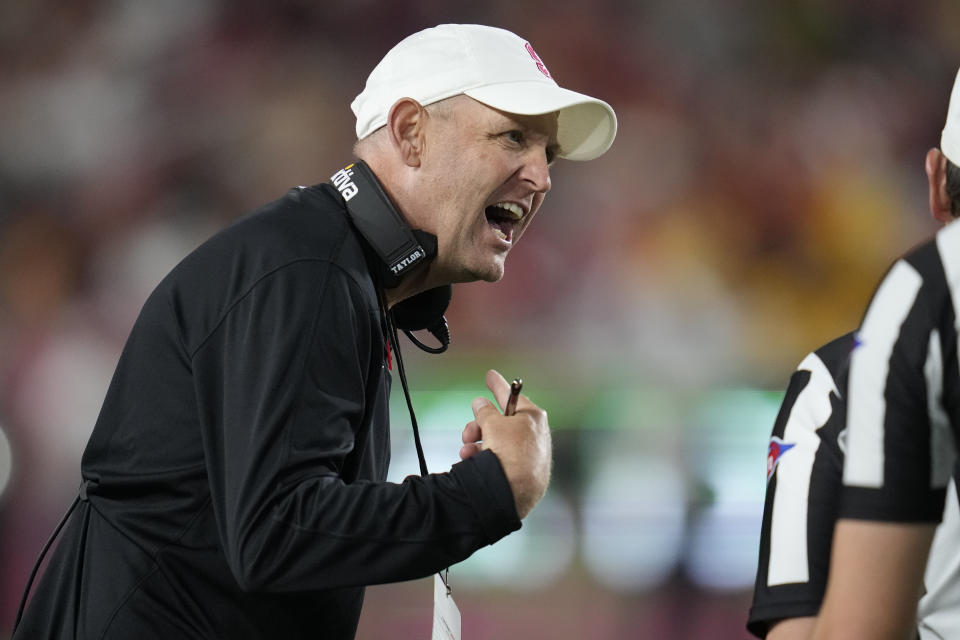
776	449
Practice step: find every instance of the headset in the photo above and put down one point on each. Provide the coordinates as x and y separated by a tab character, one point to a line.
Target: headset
399	251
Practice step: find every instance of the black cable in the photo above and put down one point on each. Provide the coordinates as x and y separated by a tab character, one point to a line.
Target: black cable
445	575
36	566
395	338
393	342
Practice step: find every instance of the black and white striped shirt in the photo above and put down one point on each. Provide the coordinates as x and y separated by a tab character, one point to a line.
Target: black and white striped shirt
806	453
804	468
904	390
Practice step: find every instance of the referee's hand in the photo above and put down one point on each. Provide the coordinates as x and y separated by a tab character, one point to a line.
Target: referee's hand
521	442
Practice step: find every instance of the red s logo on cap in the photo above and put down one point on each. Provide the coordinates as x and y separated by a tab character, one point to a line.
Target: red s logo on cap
536	58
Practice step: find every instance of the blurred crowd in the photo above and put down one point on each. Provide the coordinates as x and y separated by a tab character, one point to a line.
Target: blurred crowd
768	168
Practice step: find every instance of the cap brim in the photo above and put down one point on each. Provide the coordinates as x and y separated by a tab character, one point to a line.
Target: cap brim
950	146
586	126
950	138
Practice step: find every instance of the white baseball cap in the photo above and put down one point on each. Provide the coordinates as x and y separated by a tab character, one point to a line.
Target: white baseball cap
493	66
950	139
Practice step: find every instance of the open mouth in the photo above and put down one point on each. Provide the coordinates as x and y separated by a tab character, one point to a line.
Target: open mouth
503	217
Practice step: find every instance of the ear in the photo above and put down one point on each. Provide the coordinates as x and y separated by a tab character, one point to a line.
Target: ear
405	124
936	166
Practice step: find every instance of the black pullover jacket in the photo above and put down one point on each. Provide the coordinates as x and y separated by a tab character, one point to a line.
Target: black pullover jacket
235	479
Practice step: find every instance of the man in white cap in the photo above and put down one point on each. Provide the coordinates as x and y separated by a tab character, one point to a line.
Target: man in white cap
805	475
903	421
234	484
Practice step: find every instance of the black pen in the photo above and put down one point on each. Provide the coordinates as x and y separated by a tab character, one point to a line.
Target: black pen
515	388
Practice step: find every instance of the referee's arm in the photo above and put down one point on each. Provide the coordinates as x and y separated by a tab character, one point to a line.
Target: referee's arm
792	629
900	451
869	599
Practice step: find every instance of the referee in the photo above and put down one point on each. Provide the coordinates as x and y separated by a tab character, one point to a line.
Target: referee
804	476
903	417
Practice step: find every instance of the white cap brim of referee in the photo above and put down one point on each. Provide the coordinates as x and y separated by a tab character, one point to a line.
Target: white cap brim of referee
493	66
950	138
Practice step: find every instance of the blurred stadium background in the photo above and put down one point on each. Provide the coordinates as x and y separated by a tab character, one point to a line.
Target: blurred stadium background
769	166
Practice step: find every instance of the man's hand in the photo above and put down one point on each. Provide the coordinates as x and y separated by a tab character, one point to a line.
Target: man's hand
521	442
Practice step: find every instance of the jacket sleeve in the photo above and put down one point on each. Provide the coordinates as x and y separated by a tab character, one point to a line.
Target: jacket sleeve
286	385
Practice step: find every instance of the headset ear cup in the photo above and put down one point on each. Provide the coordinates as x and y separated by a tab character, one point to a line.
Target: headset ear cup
423	310
398	251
